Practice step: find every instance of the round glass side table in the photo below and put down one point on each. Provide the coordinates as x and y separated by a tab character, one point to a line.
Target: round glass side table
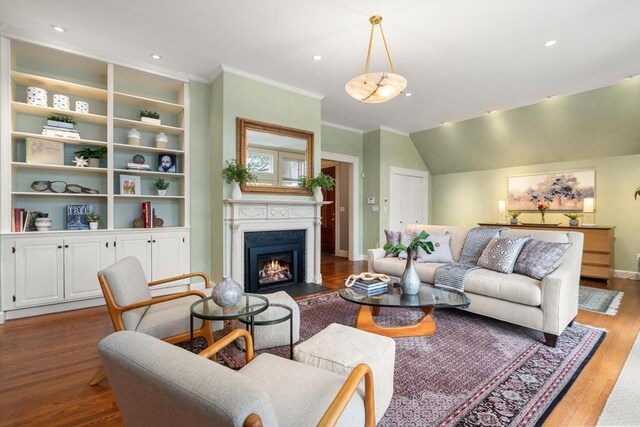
275	313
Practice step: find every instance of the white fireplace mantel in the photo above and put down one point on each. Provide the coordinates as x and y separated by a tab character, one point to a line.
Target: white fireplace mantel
247	215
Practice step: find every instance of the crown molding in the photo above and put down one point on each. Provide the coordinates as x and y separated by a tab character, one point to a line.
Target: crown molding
237	72
347	128
388	129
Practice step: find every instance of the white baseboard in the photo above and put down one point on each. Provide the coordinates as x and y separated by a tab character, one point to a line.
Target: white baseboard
341	253
624	274
1	317
361	257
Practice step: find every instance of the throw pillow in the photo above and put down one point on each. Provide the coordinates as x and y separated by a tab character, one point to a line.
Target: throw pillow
393	237
441	250
501	253
405	239
538	259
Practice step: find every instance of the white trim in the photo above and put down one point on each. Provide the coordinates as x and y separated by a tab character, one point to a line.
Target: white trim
274	83
337	126
360	257
5	134
393	170
399	132
2	318
625	274
18	34
354	198
341	253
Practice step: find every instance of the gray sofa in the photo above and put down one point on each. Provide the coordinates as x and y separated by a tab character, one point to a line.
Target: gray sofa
547	305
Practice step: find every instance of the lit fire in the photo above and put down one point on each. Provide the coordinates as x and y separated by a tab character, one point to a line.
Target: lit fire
274	272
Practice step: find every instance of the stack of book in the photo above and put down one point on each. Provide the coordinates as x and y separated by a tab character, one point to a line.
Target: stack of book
148	214
139	167
60	130
370	287
24	220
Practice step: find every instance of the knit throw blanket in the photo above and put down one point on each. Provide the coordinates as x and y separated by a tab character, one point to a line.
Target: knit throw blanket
451	276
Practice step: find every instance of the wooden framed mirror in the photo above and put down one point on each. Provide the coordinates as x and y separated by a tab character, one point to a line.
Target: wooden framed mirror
278	155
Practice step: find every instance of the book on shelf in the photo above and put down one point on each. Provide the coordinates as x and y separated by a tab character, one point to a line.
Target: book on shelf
136	166
370	292
24	220
18	223
57	124
60	134
146	214
370	283
61	129
76	216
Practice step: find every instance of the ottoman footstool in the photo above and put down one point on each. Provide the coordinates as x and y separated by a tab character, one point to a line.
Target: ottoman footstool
339	348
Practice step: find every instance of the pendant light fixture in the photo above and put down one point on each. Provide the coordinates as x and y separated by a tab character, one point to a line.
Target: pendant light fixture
374	88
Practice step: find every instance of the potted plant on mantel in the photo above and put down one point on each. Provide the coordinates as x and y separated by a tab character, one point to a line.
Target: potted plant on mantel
317	184
236	174
92	154
573	218
93	220
149	116
410	281
161	185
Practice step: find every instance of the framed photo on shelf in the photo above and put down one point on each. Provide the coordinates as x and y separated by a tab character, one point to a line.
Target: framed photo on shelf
130	184
167	163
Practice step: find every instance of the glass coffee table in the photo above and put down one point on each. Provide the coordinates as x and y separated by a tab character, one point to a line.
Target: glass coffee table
428	299
248	306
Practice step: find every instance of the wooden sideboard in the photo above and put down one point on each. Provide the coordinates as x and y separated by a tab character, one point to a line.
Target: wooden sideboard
598	251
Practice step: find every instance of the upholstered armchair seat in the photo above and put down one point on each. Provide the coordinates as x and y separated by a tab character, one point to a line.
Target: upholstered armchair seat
169	318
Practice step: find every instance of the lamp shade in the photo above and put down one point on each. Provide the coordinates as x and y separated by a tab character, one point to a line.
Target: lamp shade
502	206
373	88
588	205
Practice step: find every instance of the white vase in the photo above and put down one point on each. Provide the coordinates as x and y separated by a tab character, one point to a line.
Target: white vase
43	224
236	193
162	192
93	225
161	140
133	137
317	194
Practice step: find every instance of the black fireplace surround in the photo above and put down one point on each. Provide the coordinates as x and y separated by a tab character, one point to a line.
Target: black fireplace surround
285	246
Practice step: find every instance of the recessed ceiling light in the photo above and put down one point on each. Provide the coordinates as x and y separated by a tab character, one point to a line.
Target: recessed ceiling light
549	43
317	57
408	94
59	28
155	56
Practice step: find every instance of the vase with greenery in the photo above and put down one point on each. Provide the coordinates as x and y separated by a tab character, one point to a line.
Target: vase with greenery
161	185
92	154
573	218
150	116
235	174
514	216
60	121
410	281
317	184
93	220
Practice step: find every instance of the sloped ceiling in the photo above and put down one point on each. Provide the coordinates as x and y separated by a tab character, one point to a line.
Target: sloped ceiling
599	123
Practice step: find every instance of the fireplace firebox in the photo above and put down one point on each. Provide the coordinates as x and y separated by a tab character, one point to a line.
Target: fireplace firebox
273	259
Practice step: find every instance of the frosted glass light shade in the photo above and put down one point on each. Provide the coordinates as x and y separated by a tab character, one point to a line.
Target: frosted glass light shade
588	205
374	88
502	210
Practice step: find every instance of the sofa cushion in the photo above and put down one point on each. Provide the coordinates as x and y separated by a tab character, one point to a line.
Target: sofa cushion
509	287
441	250
538	259
544	235
395	267
427	271
393	237
406	238
501	254
458	235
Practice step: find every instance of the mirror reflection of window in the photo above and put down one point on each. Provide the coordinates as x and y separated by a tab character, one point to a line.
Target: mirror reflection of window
292	171
260	163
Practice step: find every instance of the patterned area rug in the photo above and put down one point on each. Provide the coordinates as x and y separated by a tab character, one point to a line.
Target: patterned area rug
473	371
599	300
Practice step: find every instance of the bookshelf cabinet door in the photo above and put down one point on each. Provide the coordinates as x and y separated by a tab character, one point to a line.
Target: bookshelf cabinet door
168	256
83	258
39	271
137	245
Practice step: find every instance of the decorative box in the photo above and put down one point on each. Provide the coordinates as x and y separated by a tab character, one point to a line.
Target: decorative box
37	96
61	102
82	107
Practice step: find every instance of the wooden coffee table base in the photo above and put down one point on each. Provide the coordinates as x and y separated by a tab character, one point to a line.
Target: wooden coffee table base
364	321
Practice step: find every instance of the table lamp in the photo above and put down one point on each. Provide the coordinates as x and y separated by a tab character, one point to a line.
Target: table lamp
502	211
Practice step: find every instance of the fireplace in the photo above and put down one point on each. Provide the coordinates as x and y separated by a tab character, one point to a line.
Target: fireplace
273	259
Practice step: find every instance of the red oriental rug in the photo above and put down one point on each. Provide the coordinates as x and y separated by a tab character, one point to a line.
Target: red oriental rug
473	371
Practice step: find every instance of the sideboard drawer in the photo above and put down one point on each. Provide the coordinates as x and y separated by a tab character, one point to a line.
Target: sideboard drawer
597	240
596	258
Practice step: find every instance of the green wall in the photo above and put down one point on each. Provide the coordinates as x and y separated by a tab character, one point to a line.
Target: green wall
201	171
370	188
470	197
599	123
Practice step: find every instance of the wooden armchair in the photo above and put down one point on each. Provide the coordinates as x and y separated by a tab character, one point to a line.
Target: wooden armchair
131	307
157	383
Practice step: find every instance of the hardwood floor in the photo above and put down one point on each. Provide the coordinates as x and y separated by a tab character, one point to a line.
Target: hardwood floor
46	362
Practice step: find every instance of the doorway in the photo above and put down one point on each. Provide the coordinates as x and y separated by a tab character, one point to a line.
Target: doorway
328	212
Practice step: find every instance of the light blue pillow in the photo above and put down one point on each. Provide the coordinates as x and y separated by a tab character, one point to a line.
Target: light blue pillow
441	250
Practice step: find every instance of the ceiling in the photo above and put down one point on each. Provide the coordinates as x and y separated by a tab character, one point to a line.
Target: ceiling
461	58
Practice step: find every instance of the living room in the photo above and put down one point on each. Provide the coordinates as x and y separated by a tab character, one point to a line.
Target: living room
574	115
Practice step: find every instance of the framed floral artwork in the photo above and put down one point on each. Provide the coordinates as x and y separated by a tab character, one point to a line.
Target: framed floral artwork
563	191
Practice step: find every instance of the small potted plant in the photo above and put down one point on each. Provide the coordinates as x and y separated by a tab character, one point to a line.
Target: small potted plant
317	184
410	281
161	185
60	121
236	174
573	218
93	220
514	216
149	116
92	154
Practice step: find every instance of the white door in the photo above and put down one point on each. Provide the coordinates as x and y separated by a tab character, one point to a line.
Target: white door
169	256
84	256
408	195
39	271
137	245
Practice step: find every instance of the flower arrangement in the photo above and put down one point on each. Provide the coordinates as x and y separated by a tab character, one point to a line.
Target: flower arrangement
236	173
543	207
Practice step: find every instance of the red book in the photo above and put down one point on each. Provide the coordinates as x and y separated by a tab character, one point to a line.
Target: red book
146	214
17	219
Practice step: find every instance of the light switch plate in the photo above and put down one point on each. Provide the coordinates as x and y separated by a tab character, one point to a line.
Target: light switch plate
371	200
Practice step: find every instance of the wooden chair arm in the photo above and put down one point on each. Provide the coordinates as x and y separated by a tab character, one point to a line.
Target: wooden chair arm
160	299
253	420
207	282
228	339
332	415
